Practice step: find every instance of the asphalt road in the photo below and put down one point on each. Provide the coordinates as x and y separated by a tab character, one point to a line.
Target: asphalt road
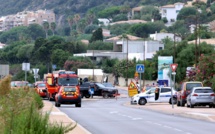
111	116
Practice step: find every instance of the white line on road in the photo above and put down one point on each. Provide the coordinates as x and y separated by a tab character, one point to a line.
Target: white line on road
137	119
177	129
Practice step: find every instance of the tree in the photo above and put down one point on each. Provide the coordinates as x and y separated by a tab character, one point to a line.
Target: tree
100	45
53	27
70	21
36	31
97	35
46	28
59	57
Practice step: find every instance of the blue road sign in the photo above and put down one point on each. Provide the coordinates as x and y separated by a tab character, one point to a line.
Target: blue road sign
140	68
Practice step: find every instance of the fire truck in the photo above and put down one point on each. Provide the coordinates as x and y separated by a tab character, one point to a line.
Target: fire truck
57	79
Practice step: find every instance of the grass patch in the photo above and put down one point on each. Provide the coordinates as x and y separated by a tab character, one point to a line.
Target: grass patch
20	112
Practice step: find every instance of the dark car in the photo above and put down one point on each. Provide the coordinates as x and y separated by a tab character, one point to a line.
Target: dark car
100	90
68	95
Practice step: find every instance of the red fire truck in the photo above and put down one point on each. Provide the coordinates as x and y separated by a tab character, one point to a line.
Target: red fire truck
60	78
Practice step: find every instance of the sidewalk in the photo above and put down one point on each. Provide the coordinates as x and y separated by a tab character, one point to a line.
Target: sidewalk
203	113
56	116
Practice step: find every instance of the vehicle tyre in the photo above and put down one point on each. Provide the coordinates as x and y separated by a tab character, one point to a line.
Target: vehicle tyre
82	96
105	95
188	105
174	101
78	105
142	101
87	95
181	103
57	104
178	103
210	106
191	106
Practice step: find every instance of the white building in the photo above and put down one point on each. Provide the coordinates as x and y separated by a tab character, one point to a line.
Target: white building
104	21
161	36
136	49
171	11
2	45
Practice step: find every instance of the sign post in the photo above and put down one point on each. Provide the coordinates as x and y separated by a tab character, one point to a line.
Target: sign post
173	68
35	70
25	67
140	69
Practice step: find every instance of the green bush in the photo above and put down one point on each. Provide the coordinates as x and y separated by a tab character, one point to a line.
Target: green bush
20	112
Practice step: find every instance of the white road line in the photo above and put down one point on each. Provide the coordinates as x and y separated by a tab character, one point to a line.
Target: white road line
167	127
137	119
157	124
113	112
177	129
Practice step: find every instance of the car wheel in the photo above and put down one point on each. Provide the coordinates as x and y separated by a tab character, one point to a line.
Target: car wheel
78	105
57	104
142	101
174	101
210	106
178	103
191	106
181	103
82	96
87	95
105	95
188	105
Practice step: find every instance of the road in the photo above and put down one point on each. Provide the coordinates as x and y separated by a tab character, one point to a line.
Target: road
111	116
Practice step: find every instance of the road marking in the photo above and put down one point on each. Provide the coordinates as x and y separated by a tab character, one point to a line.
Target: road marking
113	112
177	129
56	113
137	119
157	124
167	126
199	114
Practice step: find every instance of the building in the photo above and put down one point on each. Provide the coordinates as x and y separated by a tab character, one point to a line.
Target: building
26	18
170	12
160	36
136	11
2	45
124	49
104	21
129	22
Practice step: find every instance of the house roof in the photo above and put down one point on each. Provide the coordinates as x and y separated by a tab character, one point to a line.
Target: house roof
171	5
85	41
119	37
208	41
137	8
129	22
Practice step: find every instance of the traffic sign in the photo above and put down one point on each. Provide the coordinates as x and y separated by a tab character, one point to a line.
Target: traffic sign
173	67
35	70
140	68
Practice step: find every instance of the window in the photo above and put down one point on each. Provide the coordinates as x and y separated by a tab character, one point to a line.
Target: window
189	86
69	89
204	90
160	48
164	90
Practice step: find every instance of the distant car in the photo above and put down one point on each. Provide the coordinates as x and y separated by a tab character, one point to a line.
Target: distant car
18	84
40	88
185	91
201	96
68	95
163	95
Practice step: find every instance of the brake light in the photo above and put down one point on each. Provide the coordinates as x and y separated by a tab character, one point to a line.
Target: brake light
195	94
212	94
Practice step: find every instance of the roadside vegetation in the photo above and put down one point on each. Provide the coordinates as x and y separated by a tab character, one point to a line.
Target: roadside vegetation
20	112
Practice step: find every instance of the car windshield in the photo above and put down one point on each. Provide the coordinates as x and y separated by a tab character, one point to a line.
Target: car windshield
100	85
69	89
67	81
189	86
204	90
41	85
108	84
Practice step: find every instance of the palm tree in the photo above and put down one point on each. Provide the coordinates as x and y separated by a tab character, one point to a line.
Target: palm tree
70	20
53	27
76	18
46	27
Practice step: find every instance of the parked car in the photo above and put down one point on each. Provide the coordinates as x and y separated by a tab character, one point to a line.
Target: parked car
68	95
100	90
40	88
163	94
201	96
18	84
185	90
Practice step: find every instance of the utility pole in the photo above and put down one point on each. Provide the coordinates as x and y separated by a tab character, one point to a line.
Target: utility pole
144	58
93	65
174	50
127	66
196	38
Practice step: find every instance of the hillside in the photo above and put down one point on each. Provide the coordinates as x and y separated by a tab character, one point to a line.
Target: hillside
66	7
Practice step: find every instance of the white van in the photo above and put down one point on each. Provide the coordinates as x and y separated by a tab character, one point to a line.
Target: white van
163	95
